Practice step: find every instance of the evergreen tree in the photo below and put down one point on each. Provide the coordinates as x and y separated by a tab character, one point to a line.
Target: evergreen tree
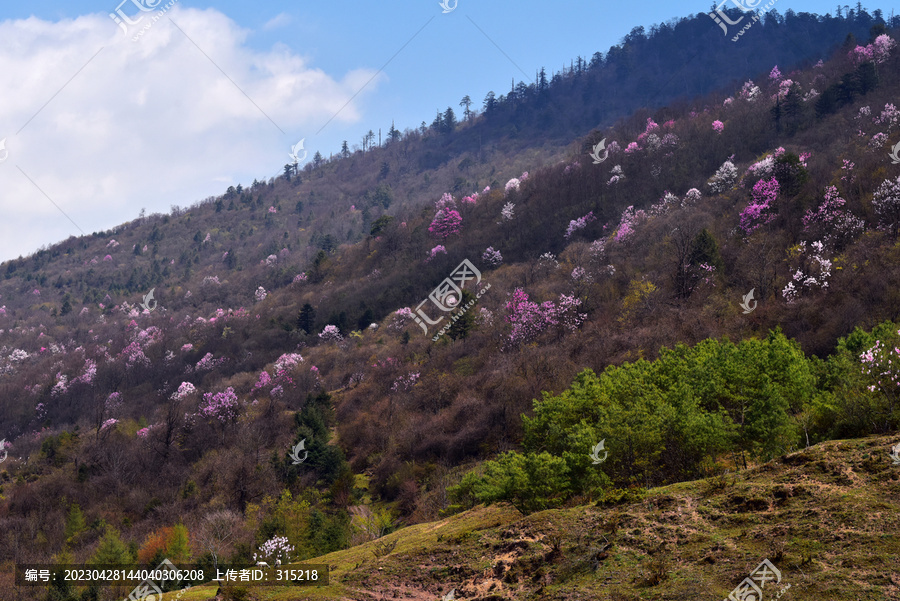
460	328
466	103
490	102
178	549
306	320
112	551
449	121
704	249
75	523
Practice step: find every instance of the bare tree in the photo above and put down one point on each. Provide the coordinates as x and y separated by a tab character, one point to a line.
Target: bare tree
217	532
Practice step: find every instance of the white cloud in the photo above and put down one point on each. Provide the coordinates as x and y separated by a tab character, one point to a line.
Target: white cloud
147	123
280	20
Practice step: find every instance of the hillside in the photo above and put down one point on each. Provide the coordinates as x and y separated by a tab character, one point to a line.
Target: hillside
717	290
826	517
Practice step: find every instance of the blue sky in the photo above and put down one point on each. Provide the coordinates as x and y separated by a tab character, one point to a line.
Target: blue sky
216	93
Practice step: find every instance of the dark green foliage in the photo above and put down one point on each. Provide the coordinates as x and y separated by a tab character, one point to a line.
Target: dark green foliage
306	320
705	250
367	318
381	195
661	421
380	225
466	321
790	173
313	424
530	481
60	589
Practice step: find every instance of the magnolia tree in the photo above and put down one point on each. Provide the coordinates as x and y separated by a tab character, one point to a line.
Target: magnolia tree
760	211
881	363
221	406
832	222
492	257
331	333
528	319
724	178
887	205
579	224
813	272
446	223
275	549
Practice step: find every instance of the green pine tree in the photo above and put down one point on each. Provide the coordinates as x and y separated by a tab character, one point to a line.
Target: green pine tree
112	551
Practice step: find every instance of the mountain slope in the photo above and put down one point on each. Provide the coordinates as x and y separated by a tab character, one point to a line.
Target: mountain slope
826	517
127	423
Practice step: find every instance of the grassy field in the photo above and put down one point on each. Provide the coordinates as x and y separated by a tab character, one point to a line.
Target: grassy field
826	517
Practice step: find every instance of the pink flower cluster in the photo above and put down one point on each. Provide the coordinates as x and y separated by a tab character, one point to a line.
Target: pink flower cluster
783	88
889	116
134	355
718	126
528	319
878	51
185	389
749	91
446	201
630	218
579	224
222	406
406	382
439	249
882	364
287	362
331	332
208	362
832	219
446	223
758	212
492	257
